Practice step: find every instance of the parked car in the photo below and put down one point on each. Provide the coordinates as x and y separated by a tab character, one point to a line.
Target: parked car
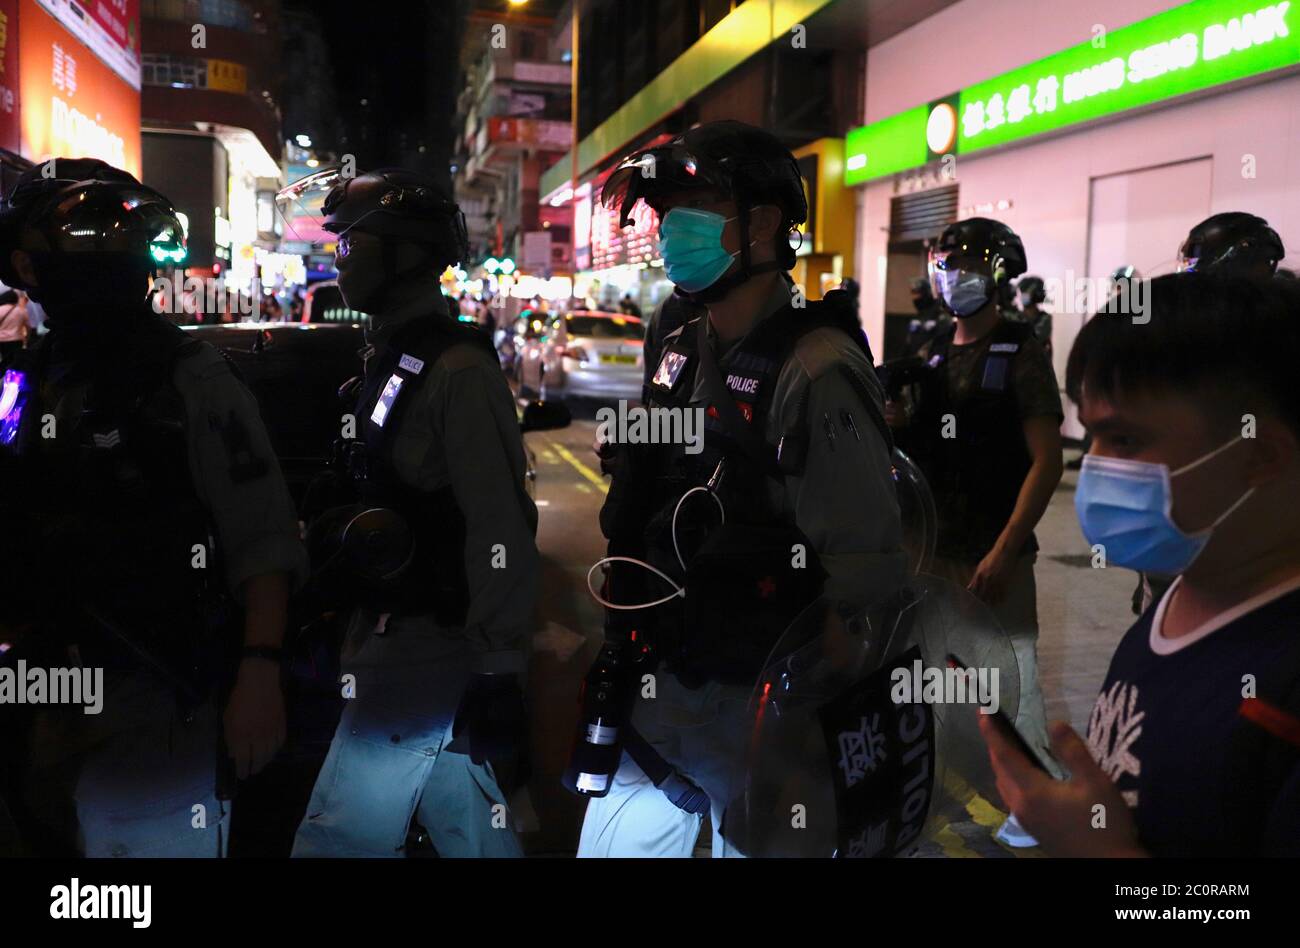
585	354
323	303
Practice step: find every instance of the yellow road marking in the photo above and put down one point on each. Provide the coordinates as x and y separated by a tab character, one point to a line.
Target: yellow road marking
592	476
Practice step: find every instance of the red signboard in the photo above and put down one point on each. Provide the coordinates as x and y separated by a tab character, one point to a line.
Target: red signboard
72	103
110	28
10	130
543	134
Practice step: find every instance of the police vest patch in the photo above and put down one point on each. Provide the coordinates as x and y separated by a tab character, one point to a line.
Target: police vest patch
411	364
384	404
670	369
744	385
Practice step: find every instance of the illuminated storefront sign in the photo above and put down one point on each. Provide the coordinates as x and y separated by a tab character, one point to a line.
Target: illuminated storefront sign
1190	48
226	76
10	131
108	28
70	102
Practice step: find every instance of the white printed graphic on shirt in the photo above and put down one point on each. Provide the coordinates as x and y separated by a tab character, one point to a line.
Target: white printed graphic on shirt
1114	727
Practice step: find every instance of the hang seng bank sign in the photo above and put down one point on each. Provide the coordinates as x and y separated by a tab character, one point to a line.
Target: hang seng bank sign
1190	48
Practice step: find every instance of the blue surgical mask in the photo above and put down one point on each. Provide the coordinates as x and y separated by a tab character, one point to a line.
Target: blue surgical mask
963	291
1125	506
690	241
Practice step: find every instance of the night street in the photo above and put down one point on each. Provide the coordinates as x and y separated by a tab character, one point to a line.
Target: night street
942	355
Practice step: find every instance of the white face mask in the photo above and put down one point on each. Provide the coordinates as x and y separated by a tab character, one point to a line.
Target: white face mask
964	292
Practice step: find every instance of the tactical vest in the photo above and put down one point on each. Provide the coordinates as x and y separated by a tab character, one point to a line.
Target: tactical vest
742	590
105	528
976	475
436	582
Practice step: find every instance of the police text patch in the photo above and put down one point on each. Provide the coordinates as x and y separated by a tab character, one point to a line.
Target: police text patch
411	364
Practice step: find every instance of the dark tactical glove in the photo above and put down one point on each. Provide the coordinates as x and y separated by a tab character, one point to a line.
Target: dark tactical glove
490	721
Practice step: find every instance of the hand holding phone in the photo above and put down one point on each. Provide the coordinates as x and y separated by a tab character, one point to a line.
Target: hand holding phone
1006	728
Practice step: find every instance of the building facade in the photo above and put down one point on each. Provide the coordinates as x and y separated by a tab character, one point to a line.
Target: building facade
1134	120
211	118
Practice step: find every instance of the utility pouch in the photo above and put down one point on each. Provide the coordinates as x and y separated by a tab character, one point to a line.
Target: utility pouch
744	587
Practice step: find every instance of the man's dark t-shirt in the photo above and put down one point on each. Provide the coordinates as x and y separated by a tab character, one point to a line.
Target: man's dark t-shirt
1161	730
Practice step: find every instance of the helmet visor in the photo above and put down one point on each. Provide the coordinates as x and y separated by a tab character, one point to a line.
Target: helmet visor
648	175
301	205
1189	257
95	217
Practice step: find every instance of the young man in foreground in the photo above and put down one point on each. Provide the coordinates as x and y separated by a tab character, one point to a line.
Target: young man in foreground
1193	746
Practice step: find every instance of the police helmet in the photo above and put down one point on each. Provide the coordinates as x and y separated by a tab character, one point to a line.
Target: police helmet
980	243
91	216
390	203
1032	287
742	162
1231	243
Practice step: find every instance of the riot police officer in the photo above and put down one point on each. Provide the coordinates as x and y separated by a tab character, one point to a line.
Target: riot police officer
985	428
1232	244
144	510
1033	294
794	459
931	319
431	665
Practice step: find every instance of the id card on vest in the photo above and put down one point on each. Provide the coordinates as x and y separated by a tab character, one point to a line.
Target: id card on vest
408	364
671	368
384	404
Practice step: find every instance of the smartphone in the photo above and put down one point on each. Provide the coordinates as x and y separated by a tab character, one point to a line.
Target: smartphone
1004	725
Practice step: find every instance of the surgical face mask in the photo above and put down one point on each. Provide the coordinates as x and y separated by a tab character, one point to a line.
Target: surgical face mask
964	292
1125	507
690	242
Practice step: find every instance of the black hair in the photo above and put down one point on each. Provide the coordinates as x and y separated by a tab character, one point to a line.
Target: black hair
1231	343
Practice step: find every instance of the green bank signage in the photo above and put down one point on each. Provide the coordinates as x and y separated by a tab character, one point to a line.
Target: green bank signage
1195	46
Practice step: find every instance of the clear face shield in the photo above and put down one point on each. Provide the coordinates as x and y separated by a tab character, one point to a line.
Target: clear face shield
962	278
301	205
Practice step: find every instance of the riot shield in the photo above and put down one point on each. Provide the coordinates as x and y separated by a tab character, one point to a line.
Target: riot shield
916	508
862	742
